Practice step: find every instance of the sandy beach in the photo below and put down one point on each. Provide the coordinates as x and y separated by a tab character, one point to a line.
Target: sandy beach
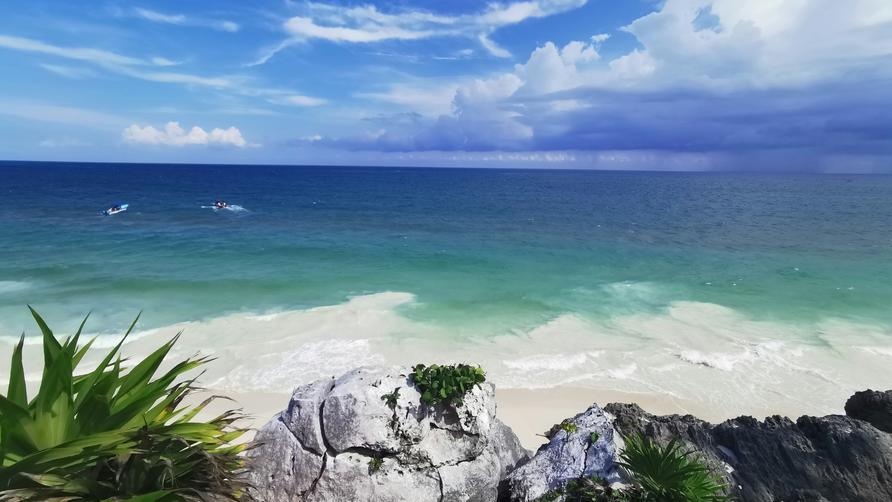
529	412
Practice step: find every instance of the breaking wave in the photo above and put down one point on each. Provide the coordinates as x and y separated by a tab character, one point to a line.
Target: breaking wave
704	356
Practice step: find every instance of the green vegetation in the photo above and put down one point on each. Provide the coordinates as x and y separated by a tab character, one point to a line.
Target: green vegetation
446	384
113	433
659	474
669	473
594	490
391	398
593	437
567	426
375	464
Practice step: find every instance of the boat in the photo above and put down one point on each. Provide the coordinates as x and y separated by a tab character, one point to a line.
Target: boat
221	204
117	208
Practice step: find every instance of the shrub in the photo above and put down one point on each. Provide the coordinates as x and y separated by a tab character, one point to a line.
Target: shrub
659	474
594	490
375	464
670	474
446	384
112	433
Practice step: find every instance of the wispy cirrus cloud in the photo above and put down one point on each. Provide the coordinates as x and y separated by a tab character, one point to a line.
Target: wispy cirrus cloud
184	20
367	24
69	115
69	71
126	65
153	70
96	56
301	100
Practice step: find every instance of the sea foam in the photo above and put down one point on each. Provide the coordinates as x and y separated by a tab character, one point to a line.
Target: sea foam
13	286
702	354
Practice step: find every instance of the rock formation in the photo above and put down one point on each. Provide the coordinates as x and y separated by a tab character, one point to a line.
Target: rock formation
367	436
815	458
872	406
583	446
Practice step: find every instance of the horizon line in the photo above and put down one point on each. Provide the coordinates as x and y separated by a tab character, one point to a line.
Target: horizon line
6	162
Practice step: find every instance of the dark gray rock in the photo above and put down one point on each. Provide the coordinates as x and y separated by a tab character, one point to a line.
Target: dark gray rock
813	459
321	448
872	406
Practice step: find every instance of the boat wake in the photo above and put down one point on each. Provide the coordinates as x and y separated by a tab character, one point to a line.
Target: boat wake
232	207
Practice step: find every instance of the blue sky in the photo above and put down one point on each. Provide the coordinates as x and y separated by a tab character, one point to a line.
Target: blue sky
631	84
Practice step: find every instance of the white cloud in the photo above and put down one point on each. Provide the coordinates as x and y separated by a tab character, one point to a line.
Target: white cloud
130	66
158	17
706	77
761	43
367	24
498	15
267	53
69	71
429	97
299	100
492	47
183	20
160	61
305	27
174	135
179	78
97	56
70	115
550	69
228	26
63	142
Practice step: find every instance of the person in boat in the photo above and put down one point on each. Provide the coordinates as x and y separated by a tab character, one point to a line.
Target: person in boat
220	204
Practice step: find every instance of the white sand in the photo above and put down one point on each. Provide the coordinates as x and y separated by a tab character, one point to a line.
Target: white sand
528	412
698	358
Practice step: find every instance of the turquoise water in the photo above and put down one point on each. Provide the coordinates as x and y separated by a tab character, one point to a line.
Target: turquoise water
723	293
482	250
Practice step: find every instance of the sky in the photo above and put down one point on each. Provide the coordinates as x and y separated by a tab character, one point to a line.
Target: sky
761	85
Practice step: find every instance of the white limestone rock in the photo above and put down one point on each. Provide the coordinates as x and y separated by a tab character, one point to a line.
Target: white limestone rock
321	448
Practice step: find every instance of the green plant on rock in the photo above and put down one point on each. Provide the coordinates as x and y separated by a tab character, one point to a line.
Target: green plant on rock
593	489
567	426
375	464
113	433
446	384
669	473
390	399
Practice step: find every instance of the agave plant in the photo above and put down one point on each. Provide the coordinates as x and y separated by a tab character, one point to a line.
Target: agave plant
113	433
669	473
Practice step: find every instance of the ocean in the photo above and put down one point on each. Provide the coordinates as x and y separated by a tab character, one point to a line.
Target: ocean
733	292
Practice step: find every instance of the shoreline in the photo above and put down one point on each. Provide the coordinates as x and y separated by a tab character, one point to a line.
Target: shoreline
528	412
693	358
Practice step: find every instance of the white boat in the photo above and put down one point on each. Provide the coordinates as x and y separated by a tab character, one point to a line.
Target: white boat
120	208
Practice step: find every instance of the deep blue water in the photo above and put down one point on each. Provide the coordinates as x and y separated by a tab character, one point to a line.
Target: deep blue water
483	250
